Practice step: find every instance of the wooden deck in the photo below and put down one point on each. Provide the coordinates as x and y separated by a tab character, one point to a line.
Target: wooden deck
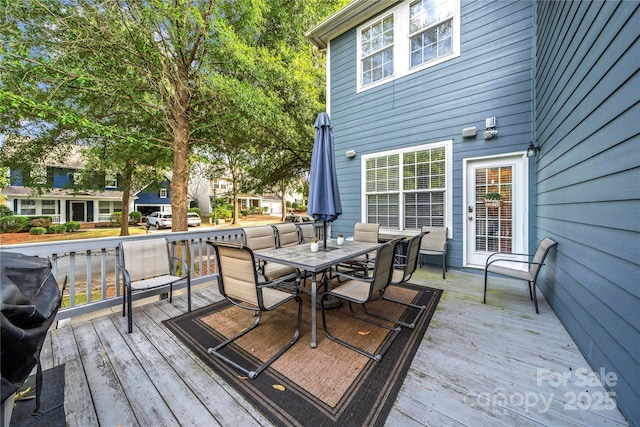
478	365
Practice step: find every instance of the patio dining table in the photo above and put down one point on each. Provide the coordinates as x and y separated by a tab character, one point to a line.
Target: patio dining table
301	257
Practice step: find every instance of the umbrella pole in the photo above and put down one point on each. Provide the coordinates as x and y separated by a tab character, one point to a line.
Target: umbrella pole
324	233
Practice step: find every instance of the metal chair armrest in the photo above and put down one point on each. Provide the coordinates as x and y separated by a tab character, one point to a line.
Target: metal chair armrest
185	266
514	261
507	253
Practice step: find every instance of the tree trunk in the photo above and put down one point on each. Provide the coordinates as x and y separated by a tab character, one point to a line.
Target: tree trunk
126	196
283	200
236	210
180	178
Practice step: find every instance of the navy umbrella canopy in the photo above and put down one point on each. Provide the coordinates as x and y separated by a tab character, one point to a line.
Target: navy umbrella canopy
324	194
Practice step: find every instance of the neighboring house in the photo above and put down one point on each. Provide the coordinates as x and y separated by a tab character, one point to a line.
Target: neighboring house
61	202
435	103
154	197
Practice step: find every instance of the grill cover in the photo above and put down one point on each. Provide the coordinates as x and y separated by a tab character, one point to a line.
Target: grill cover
30	298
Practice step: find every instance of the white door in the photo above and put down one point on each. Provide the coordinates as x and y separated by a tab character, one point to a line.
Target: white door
495	226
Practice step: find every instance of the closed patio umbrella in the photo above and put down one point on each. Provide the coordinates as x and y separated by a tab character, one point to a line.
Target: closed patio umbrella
324	195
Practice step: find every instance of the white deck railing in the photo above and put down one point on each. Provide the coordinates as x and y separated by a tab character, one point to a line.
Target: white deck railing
89	265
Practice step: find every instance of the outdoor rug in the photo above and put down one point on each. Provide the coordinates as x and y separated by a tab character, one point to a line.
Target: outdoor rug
51	412
328	385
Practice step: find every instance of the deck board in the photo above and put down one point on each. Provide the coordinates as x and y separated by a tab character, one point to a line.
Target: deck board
470	350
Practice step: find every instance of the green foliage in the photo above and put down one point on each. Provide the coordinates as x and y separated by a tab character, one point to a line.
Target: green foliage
5	211
14	224
127	78
72	225
493	195
115	220
37	230
40	222
57	229
135	217
196	210
221	212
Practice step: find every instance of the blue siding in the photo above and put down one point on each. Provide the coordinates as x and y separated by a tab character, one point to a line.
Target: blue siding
151	195
492	77
588	175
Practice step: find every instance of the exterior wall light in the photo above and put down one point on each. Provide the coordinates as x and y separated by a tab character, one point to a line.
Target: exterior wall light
350	154
490	124
533	150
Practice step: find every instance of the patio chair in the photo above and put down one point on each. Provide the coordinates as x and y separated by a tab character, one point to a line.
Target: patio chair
146	264
533	262
263	237
362	232
405	264
361	290
286	234
435	243
238	283
307	232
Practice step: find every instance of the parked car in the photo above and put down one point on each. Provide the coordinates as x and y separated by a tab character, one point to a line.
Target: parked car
193	219
159	220
298	218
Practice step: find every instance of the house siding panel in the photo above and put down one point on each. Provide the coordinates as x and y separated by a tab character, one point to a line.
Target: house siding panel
492	77
588	197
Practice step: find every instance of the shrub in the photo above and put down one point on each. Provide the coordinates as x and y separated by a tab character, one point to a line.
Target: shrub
57	229
72	226
14	224
135	217
5	211
196	210
221	213
40	223
245	212
115	219
37	230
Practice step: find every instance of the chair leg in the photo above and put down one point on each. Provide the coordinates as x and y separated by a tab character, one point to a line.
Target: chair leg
375	356
129	310
188	293
410	325
444	266
484	299
530	291
535	298
253	373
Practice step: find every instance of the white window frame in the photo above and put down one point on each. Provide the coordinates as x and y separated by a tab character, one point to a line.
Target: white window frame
29	204
361	58
44	205
163	194
448	199
104	207
402	45
110	181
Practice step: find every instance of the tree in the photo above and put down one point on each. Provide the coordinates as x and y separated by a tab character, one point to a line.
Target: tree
155	75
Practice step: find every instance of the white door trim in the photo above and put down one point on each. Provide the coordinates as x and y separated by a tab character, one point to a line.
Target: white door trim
520	201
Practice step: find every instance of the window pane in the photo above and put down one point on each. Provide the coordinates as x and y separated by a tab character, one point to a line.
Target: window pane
376	50
421	187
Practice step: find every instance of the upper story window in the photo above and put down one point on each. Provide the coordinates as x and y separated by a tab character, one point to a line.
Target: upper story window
376	50
415	35
163	193
409	188
430	30
110	181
